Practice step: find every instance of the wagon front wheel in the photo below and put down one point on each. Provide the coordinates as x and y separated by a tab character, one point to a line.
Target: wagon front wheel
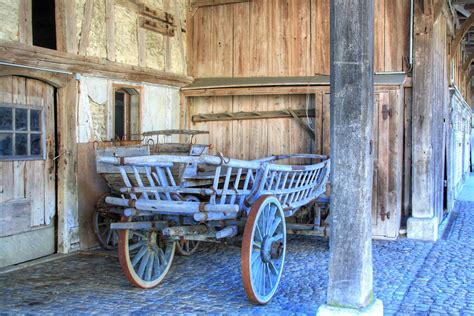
263	249
145	256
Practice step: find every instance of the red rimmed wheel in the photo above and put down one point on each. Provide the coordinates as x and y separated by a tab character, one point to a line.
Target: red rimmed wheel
263	249
145	256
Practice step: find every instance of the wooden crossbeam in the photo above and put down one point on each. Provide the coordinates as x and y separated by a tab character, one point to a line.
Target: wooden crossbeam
254	115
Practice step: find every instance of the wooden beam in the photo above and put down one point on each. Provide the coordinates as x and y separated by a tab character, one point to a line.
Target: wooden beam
206	3
86	27
25	27
66	34
17	53
460	34
254	115
438	10
468	62
110	28
180	37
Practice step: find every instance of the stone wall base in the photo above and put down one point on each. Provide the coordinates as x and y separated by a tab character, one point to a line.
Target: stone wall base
375	309
423	228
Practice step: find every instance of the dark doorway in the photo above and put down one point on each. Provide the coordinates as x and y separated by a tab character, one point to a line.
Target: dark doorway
44	23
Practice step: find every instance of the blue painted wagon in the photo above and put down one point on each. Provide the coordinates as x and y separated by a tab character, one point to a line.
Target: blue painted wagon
255	202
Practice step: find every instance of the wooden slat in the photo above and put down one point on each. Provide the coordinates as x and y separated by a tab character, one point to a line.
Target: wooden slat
25	22
241	48
326	131
110	28
299	44
320	36
86	27
19	167
379	35
397	19
318	122
6	167
179	36
241	129
35	182
50	164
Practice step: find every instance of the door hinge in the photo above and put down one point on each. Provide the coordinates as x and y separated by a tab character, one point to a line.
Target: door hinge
384	214
386	112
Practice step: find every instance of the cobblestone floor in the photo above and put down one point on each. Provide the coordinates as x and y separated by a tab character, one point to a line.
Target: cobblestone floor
410	277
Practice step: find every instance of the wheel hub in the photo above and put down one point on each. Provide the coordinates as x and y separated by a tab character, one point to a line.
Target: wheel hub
271	249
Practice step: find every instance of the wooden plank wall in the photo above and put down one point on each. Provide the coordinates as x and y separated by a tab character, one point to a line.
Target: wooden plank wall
286	38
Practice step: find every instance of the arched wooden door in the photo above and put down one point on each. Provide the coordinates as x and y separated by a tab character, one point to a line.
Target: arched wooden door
27	170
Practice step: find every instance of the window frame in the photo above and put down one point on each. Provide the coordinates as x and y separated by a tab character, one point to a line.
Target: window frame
41	132
117	88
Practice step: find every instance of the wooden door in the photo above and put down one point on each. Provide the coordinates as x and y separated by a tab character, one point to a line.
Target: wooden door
27	170
388	160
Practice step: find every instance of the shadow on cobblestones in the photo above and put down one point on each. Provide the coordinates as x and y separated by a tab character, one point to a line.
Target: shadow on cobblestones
410	277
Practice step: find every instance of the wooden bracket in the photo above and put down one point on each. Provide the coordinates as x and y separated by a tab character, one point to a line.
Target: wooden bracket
157	26
157	14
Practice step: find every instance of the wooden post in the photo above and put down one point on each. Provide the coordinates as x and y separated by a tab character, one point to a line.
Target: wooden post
68	217
352	107
423	224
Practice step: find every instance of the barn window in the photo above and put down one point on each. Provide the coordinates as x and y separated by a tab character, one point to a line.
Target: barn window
126	114
43	23
21	132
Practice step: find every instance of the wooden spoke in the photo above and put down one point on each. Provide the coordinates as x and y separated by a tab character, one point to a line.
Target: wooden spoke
187	247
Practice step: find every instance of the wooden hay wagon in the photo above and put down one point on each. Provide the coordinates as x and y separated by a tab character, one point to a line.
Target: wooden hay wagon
257	201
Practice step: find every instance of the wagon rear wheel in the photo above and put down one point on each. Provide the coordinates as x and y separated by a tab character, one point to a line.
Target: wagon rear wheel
145	256
102	219
263	249
187	247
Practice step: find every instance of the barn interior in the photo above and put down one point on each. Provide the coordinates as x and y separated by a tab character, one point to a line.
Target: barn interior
257	75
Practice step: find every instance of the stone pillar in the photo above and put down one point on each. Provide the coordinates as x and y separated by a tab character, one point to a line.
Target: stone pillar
423	224
352	107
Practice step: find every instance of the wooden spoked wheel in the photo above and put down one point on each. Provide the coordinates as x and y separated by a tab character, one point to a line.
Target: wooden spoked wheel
145	256
102	219
263	249
186	247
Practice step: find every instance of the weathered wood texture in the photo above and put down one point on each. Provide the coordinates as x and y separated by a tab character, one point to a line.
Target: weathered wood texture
350	270
29	182
286	38
429	113
46	58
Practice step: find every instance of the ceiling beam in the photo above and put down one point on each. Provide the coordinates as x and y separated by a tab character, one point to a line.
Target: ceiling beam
466	25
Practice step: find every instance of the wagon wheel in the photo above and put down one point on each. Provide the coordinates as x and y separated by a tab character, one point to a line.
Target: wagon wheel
263	249
102	219
187	247
145	256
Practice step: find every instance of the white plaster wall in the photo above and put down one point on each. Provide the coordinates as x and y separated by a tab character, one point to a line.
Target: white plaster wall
159	108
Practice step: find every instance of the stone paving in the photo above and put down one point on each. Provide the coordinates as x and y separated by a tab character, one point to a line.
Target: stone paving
410	277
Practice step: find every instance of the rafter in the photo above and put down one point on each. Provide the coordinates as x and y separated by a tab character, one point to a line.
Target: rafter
460	34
